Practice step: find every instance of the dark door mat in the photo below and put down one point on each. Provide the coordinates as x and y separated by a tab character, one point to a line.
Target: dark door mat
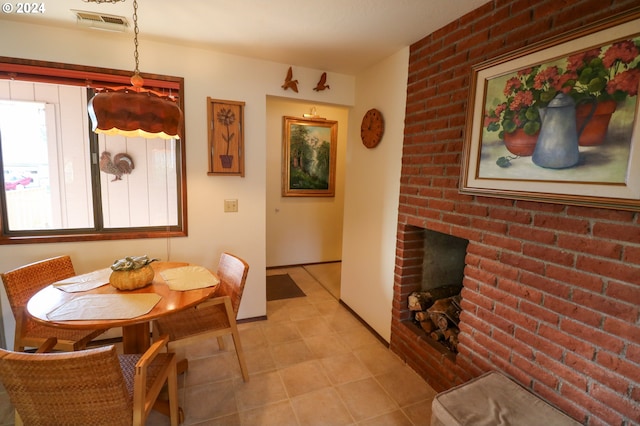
282	287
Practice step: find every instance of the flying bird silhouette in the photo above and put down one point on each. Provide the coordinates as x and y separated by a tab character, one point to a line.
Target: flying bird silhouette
322	83
289	83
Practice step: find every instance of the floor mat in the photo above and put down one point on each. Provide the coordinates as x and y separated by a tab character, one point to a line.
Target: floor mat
282	287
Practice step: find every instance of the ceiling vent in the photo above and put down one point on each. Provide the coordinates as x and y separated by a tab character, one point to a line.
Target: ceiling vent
100	21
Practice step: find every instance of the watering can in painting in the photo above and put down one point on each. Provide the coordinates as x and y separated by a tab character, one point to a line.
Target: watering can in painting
557	146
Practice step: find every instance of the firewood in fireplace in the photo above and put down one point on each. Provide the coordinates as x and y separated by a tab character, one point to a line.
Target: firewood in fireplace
422	300
428	325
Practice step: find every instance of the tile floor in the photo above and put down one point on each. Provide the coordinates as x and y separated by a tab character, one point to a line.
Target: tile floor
310	363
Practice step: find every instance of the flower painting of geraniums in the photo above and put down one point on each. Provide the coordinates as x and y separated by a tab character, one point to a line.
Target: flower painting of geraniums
226	137
559	117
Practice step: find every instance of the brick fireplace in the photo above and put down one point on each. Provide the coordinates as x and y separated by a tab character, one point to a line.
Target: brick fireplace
551	292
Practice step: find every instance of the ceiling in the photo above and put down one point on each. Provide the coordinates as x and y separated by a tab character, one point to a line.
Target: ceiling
344	36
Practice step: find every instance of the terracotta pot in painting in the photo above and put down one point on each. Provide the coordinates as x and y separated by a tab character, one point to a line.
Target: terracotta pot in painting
596	128
520	143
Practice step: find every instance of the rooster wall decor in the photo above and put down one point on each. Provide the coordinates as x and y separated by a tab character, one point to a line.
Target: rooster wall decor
289	83
122	164
322	84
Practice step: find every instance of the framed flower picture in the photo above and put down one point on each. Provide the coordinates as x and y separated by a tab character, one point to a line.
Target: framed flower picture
558	121
226	137
309	150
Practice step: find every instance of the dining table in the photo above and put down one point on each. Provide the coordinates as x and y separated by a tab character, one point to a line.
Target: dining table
88	301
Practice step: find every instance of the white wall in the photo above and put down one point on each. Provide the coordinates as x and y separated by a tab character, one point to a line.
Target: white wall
372	193
206	73
303	229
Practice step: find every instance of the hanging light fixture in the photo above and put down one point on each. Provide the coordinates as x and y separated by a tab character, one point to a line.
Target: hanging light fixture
135	111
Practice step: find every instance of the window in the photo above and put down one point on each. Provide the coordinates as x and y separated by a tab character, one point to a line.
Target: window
62	181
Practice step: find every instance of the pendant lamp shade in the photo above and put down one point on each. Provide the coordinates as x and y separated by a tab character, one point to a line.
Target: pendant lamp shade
134	111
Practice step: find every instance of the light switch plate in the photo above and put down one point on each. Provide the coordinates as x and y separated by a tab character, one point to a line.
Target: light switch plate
230	206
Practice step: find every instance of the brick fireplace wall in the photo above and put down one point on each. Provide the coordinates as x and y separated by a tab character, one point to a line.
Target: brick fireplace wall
551	292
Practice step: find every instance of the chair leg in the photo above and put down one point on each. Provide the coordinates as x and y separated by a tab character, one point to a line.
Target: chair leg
240	353
221	344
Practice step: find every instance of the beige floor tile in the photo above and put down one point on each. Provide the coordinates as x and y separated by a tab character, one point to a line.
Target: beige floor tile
420	413
277	333
259	360
394	418
276	414
344	368
222	366
378	359
321	408
405	386
358	337
365	399
326	345
290	353
252	336
304	378
262	389
214	399
315	326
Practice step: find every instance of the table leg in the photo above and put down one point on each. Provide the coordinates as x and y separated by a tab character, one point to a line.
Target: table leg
135	338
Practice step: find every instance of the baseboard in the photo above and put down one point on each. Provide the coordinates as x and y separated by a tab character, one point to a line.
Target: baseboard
363	322
303	264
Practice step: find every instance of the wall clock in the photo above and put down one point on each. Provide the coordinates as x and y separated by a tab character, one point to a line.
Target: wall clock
372	128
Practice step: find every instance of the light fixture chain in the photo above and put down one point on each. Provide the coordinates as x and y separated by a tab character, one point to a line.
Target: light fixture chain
135	34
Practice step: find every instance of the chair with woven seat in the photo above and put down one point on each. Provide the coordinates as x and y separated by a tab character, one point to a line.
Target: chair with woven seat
21	284
215	317
89	387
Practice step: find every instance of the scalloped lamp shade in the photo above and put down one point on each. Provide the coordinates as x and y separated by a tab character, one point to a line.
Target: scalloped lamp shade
135	114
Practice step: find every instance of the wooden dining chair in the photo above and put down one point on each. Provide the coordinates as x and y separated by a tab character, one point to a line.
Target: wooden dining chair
21	284
215	317
89	387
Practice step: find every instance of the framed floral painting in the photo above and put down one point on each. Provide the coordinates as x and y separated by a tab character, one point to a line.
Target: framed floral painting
226	137
558	121
309	151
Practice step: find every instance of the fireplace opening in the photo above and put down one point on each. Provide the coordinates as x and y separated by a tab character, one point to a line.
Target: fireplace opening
436	307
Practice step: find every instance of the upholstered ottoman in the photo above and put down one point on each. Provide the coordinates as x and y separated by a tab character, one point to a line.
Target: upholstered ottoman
493	399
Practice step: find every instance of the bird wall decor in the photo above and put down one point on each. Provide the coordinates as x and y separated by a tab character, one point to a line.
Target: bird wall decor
322	84
289	82
122	164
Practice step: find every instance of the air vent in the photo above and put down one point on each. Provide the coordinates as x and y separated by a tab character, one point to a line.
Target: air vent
100	21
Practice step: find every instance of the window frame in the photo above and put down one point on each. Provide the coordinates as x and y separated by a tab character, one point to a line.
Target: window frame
95	77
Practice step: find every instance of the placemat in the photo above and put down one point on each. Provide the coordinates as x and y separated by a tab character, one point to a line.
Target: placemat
84	282
105	307
189	278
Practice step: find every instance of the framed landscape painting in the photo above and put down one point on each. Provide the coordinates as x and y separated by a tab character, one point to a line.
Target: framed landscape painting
558	121
309	157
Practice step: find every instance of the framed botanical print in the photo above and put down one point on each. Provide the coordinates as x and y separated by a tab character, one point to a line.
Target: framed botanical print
226	137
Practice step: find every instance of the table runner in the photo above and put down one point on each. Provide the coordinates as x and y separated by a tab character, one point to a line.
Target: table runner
105	307
84	282
189	278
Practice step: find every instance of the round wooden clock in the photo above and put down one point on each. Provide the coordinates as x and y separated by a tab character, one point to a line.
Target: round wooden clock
372	128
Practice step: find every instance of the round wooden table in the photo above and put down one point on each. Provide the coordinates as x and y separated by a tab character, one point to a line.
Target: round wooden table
135	331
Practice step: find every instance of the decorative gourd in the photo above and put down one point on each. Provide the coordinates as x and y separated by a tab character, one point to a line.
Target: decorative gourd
132	273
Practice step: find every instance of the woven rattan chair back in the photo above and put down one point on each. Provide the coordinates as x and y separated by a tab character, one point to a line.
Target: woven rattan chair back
89	387
232	272
84	387
215	317
21	284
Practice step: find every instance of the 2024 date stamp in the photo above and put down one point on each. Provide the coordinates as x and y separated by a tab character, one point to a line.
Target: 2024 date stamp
23	8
